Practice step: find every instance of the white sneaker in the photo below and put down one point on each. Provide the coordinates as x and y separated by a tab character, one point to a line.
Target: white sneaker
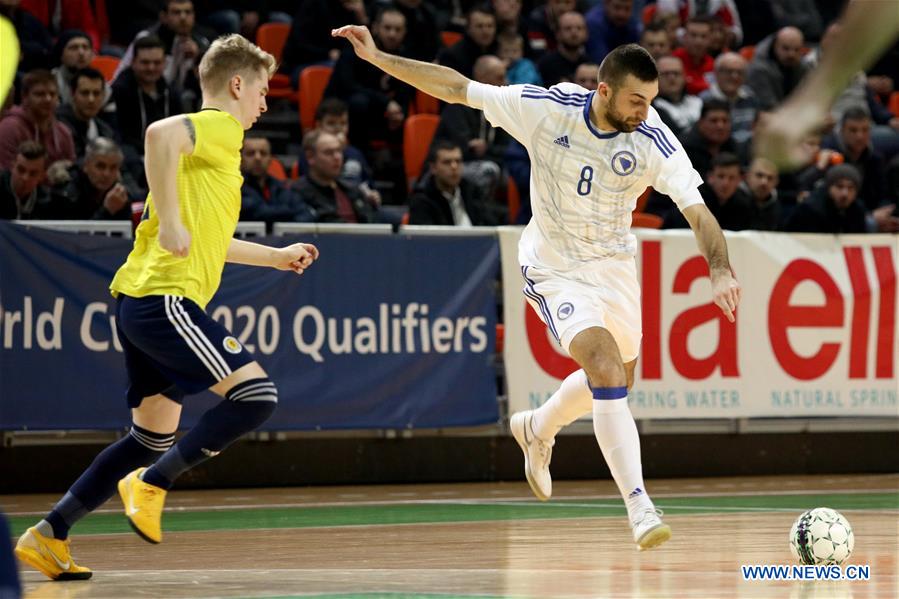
649	530
537	454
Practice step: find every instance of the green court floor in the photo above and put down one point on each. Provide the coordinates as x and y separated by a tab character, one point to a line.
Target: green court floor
434	512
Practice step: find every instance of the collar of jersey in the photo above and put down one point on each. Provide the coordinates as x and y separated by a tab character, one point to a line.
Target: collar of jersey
590	126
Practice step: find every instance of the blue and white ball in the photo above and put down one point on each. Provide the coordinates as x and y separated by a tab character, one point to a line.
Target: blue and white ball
821	536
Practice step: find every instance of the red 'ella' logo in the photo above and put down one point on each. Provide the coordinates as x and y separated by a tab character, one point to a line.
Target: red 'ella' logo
782	316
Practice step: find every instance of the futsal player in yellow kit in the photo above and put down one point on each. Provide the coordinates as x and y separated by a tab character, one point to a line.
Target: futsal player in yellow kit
172	347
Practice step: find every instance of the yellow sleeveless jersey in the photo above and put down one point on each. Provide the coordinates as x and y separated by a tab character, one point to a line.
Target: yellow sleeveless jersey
209	182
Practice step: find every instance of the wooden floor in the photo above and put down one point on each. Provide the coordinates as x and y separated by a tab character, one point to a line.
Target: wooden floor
541	557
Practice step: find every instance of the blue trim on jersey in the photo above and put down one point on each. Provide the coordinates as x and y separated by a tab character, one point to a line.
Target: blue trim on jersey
532	92
575	103
531	292
590	126
533	89
655	140
660	134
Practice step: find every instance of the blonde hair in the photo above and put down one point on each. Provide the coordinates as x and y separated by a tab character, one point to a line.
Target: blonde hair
232	55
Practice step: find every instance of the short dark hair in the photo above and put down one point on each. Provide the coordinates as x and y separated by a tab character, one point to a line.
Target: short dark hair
256	134
629	59
713	104
855	113
655	27
87	73
442	145
166	3
482	7
331	107
31	150
703	20
310	140
37	77
726	159
146	42
388	9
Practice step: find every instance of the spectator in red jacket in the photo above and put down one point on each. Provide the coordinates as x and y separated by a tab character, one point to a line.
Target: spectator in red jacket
695	54
36	120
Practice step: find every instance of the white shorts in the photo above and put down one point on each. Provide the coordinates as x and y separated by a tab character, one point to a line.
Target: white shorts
606	295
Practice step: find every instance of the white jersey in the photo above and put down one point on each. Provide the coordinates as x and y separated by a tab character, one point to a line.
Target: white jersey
584	182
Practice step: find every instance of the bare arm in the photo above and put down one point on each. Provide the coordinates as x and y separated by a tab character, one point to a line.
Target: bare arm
296	257
165	142
439	81
251	254
725	288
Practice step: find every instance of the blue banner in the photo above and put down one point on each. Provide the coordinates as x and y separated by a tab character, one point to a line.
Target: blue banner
382	332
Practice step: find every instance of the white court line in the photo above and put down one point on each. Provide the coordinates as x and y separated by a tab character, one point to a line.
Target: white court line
458	522
523	499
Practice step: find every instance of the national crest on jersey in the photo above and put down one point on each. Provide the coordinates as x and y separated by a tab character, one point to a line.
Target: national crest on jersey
624	163
584	181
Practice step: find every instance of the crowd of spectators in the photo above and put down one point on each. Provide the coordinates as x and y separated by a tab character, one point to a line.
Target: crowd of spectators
72	135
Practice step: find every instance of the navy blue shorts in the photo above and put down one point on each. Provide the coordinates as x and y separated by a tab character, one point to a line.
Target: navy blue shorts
173	347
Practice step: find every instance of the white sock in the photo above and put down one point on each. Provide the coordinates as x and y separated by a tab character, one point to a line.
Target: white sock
570	402
616	433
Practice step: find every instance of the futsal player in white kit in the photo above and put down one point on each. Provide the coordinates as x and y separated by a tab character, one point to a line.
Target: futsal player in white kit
592	154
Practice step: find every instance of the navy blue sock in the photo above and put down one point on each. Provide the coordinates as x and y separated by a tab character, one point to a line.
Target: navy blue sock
98	483
245	407
9	575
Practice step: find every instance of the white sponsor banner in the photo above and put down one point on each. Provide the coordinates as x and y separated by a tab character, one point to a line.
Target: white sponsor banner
815	333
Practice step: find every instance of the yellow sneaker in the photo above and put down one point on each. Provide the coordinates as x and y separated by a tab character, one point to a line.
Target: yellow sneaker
49	556
143	506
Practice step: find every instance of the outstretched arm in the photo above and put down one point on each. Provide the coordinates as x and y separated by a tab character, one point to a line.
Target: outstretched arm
436	80
297	257
725	288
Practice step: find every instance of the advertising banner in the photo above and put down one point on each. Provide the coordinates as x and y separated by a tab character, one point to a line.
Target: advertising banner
382	332
815	333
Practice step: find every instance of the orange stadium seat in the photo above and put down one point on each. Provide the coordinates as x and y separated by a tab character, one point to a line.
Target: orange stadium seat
271	37
106	65
276	169
513	200
449	38
313	81
894	103
646	220
425	104
641	201
747	52
418	131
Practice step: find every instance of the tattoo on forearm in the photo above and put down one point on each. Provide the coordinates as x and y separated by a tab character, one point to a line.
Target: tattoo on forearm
191	130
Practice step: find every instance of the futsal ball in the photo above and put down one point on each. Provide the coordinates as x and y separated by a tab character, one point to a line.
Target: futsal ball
821	536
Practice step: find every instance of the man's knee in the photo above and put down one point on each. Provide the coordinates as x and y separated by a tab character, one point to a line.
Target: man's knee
604	367
257	397
597	353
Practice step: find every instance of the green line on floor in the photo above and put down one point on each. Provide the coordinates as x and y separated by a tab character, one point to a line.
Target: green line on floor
469	511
